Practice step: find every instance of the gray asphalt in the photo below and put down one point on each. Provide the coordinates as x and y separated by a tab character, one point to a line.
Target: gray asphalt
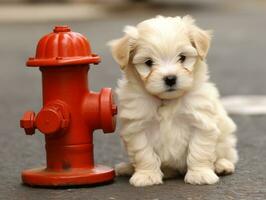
237	66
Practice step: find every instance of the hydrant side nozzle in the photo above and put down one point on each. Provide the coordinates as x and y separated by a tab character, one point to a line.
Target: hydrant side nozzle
28	122
108	110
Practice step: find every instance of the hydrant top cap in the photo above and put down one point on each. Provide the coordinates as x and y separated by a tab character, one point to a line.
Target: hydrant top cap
63	47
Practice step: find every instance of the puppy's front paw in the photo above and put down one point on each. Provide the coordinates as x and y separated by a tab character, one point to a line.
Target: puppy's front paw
224	166
201	176
146	178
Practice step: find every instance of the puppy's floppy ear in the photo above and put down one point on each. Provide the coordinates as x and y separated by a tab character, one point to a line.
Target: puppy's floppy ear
120	50
200	39
122	47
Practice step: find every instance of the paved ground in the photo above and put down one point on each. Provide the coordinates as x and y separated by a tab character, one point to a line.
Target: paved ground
237	65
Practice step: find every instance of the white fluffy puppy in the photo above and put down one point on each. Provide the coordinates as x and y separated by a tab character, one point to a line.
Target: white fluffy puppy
171	116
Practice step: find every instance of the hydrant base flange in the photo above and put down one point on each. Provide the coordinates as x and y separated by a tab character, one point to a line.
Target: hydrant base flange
77	176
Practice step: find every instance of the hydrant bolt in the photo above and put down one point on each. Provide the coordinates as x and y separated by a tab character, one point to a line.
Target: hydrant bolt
58	29
114	109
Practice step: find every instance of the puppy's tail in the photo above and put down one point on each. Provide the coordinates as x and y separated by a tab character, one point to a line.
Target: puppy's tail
124	169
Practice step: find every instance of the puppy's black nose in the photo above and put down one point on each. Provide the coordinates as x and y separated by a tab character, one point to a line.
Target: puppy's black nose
170	80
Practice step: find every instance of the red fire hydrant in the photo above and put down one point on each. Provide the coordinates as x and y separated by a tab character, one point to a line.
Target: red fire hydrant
70	113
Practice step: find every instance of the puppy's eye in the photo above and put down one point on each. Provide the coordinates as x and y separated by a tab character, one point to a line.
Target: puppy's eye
149	62
182	58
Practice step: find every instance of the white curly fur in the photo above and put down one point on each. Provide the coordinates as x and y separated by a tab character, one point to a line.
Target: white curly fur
185	130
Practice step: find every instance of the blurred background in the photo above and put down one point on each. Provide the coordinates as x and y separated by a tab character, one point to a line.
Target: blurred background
236	62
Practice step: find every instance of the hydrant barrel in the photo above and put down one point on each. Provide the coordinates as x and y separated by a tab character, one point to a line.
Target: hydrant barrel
70	113
72	92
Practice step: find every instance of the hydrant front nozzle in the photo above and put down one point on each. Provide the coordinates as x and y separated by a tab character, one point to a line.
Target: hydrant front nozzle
52	118
27	122
49	121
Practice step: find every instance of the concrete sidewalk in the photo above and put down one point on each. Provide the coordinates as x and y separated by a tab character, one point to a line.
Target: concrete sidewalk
236	63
